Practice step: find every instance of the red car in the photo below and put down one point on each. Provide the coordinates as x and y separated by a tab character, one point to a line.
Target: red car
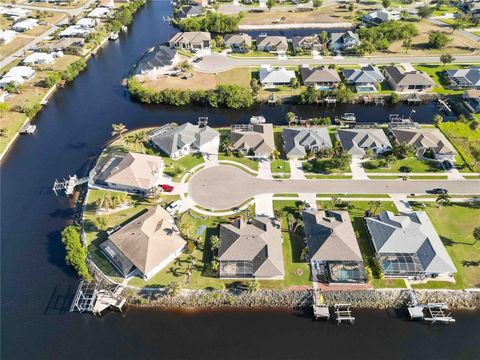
167	188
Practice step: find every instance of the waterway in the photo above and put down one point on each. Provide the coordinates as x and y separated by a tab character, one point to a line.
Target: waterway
37	286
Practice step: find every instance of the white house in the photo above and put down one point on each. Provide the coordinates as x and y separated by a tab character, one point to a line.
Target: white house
380	16
272	77
75	31
17	75
39	58
100	12
14	13
25	25
87	23
6	36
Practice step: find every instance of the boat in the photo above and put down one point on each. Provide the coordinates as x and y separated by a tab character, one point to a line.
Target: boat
348	117
257	120
28	129
113	36
124	28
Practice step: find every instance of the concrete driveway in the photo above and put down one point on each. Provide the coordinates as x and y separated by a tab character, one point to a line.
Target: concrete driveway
223	187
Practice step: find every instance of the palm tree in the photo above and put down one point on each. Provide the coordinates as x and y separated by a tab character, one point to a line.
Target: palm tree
140	138
474	124
226	145
214	243
253	286
275	154
298	223
374	206
215	264
173	288
443	199
290	221
119	130
390	160
476	234
407	44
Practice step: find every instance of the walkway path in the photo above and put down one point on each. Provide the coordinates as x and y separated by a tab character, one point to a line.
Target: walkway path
402	203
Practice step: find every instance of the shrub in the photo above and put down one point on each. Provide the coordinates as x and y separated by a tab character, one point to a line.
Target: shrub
76	253
212	22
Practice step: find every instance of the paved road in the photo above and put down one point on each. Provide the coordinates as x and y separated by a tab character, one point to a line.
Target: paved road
69	11
222	187
216	63
465	33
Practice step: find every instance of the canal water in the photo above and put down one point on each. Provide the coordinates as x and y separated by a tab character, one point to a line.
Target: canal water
37	286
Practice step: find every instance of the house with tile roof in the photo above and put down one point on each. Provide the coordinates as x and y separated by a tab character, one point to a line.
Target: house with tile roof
357	140
238	42
186	139
298	142
407	245
130	172
146	244
253	139
426	138
333	250
191	40
273	44
251	250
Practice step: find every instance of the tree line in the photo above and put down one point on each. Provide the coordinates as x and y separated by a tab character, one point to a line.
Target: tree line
212	22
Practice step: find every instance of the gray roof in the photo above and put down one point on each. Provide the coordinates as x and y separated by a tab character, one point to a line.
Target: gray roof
343	37
411	233
148	240
238	39
295	140
278	42
307	41
259	242
319	75
187	134
64	43
258	138
330	236
356	140
429	138
155	58
366	75
470	76
192	10
190	37
401	78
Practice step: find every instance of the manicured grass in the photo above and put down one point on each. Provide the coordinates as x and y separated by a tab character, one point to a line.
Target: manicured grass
356	210
437	73
455	225
355	195
286	195
464	140
297	272
252	164
280	166
416	165
388	283
322	166
328	177
184	164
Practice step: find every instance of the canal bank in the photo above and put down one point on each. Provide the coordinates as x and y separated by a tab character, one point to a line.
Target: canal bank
37	286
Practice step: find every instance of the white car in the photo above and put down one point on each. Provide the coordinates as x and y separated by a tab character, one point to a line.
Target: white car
174	207
307	204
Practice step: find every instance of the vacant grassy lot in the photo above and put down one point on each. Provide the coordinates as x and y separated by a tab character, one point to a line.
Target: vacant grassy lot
14	45
287	17
455	225
202	81
415	164
437	73
465	141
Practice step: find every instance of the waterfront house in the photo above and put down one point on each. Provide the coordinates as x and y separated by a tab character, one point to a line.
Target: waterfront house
333	250
130	172
464	78
107	3
87	23
75	31
471	99
251	250
64	44
198	2
189	11
25	25
407	245
6	36
238	42
146	244
298	142
14	13
341	41
271	77
357	140
158	60
407	81
381	16
273	44
17	75
365	79
253	139
307	43
426	139
186	139
322	78
100	13
192	41
39	58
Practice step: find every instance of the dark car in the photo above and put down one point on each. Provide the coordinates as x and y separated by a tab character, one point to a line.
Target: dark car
198	59
447	165
167	188
437	191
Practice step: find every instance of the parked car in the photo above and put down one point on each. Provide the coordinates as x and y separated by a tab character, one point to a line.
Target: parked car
447	165
307	203
438	191
167	188
198	59
174	207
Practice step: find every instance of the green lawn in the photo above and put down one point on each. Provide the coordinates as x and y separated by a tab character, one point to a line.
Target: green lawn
355	195
417	165
178	168
464	140
322	166
280	166
253	54
437	73
328	176
388	283
252	164
455	226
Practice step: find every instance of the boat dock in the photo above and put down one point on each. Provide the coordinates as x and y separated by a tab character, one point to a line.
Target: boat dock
90	298
343	313
431	312
320	309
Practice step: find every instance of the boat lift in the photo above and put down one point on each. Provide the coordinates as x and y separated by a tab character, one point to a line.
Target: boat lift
69	185
343	313
90	298
431	312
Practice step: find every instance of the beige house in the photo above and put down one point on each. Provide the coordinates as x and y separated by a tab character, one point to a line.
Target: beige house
251	250
193	40
426	138
131	172
147	243
407	81
253	139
